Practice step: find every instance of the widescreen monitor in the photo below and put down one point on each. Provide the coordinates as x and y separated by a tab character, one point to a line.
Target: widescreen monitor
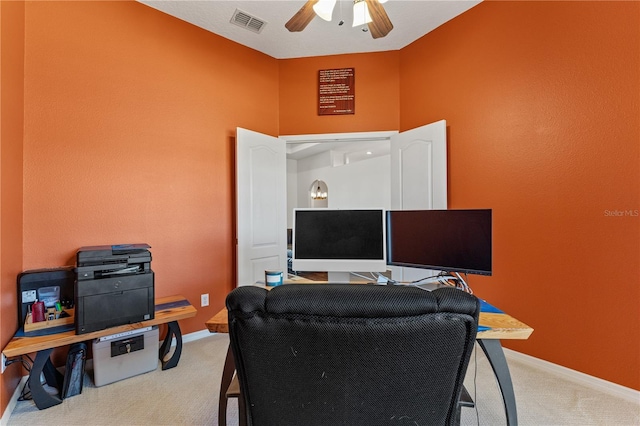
443	240
339	240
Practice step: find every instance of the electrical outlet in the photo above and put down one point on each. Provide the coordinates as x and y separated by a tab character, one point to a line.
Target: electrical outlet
204	300
4	363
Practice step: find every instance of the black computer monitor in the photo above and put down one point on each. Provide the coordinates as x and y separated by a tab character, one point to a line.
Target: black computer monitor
444	240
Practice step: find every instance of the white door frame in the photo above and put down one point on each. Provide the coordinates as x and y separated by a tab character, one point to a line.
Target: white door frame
339	137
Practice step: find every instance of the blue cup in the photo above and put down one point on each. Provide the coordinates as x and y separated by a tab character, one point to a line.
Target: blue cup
273	278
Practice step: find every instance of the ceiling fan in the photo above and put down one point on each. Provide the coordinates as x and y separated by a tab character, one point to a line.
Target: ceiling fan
370	12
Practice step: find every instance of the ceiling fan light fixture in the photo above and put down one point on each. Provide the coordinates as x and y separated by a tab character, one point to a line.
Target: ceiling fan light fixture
361	14
324	9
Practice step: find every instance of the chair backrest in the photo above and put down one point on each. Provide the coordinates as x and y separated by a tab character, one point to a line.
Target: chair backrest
339	354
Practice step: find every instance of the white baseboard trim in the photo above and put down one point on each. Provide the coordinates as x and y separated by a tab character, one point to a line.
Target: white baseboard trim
13	401
593	382
196	335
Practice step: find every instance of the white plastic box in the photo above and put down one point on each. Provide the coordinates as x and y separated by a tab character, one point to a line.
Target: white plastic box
125	355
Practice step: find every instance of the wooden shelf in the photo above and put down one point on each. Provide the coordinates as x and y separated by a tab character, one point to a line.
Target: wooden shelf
25	345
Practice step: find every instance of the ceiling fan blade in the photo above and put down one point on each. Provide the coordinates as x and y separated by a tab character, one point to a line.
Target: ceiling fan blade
380	25
301	19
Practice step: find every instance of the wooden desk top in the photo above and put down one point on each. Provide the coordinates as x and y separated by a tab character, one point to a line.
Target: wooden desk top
494	324
501	326
219	323
25	345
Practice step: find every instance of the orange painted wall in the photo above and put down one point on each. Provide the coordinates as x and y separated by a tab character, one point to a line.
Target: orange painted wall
376	94
541	102
130	118
11	136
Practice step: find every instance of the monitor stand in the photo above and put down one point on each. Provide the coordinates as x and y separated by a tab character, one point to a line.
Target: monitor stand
338	277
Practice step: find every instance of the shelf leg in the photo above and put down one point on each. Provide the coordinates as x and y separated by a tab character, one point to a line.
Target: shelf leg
43	364
172	331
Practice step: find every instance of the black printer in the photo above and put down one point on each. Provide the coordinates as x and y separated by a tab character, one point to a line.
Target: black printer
114	286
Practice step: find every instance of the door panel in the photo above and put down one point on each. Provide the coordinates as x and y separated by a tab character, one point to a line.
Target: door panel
419	177
261	205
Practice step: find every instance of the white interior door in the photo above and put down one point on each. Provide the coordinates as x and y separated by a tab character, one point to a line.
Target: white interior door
418	177
261	188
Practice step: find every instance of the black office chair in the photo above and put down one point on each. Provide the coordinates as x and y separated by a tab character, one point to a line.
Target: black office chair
339	354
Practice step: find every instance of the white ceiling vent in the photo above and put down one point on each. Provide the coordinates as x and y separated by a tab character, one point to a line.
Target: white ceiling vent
244	20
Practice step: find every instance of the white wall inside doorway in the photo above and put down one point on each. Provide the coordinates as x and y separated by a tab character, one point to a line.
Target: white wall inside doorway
364	184
355	179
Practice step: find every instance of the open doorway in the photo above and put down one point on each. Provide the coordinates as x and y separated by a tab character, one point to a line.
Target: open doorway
342	171
412	176
354	166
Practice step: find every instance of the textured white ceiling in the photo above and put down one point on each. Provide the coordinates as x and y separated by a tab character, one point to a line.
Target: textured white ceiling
411	20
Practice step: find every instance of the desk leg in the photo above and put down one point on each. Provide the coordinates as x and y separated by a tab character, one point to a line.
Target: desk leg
172	331
227	375
493	350
242	411
43	364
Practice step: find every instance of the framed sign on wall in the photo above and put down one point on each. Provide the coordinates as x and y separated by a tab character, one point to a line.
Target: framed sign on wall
336	91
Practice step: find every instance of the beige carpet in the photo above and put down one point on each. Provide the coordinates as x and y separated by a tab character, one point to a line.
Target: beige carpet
188	395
